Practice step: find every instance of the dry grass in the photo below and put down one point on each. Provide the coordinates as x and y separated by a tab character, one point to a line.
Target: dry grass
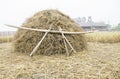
4	39
104	37
101	61
26	40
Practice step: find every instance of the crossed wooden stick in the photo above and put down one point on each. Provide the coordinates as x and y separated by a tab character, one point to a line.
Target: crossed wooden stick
51	31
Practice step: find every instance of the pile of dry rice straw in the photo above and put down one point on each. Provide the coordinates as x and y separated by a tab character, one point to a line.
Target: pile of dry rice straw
26	40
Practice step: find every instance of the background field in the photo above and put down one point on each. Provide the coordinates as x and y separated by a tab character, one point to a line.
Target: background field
100	61
103	37
6	39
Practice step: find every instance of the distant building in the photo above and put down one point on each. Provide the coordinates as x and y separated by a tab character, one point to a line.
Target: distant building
90	25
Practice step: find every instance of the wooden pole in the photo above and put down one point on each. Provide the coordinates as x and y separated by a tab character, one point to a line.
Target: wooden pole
35	49
43	30
67	41
64	41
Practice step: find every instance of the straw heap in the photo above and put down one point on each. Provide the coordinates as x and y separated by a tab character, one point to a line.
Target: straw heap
26	40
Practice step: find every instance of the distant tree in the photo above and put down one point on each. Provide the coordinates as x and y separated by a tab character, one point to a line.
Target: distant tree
90	19
118	27
79	19
83	19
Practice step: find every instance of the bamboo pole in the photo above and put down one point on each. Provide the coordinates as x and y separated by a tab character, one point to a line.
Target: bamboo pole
52	31
39	43
64	41
68	41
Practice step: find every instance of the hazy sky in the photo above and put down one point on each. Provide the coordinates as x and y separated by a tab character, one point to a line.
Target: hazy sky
15	12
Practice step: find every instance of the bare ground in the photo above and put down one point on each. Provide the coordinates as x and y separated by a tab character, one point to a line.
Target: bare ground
100	61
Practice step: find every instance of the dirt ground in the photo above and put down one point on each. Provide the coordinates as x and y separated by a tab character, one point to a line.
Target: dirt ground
100	61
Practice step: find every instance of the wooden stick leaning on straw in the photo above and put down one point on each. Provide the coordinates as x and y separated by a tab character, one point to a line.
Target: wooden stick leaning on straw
52	31
39	43
66	40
